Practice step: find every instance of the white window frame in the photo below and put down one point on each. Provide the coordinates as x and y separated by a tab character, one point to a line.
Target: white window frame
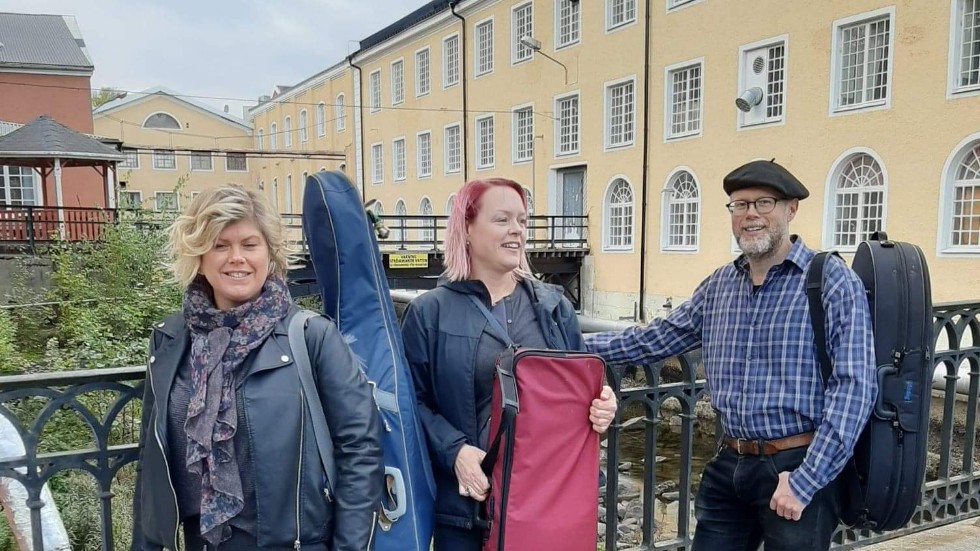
423	165
377	163
452	154
450	201
340	113
626	22
835	62
944	245
831	197
131	155
450	73
520	53
676	5
426	228
399	173
259	139
423	79
138	204
559	42
956	22
374	90
559	120
274	195
38	198
200	155
669	72
228	156
518	156
478	70
274	136
665	220
479	142
166	129
287	132
321	119
159	155
399	226
745	65
607	207
397	81
304	126
608	115
287	194
156	201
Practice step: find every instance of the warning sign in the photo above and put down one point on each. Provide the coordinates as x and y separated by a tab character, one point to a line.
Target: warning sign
408	260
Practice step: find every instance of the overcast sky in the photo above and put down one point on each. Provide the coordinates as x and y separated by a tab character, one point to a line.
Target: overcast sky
218	48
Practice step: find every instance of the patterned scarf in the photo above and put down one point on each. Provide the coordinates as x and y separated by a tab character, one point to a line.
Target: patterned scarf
220	342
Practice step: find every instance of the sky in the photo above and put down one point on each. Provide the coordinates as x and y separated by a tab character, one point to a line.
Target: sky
236	49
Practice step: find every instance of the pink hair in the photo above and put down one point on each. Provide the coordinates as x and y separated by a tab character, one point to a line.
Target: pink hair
465	208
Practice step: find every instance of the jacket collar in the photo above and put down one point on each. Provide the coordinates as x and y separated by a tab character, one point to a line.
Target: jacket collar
545	295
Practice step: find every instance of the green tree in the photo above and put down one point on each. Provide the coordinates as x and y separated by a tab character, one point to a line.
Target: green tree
105	95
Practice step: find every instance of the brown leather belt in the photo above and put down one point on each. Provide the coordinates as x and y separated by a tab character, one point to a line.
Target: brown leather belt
768	447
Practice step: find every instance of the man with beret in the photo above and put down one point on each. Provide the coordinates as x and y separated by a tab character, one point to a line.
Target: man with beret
787	435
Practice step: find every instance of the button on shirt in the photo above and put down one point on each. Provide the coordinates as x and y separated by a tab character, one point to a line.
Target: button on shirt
760	358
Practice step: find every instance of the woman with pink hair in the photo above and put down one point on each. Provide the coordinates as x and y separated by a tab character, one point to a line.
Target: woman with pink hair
452	352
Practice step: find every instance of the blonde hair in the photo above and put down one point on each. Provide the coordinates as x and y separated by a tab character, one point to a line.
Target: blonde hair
196	230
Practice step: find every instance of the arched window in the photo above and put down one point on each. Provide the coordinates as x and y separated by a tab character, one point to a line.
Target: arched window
379	209
449	204
428	231
342	168
273	136
618	216
399	232
161	120
859	200
258	140
304	131
287	132
321	119
340	118
681	217
961	200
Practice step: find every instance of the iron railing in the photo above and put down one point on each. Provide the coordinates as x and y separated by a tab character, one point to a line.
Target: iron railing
951	494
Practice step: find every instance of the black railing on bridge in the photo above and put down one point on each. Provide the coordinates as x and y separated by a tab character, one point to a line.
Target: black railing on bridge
105	403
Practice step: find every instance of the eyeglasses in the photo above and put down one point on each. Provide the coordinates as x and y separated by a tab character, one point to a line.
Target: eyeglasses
763	205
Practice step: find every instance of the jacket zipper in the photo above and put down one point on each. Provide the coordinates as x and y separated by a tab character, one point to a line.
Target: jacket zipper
374	523
166	463
299	463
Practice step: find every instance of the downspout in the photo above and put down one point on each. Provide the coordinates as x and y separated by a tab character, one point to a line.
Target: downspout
462	79
644	179
358	117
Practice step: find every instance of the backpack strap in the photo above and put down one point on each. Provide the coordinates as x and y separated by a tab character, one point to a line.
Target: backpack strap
301	356
818	318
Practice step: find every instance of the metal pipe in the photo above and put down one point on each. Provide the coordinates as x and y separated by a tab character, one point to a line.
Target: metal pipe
644	178
462	81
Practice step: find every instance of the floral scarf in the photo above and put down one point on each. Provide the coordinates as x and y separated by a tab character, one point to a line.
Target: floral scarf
220	342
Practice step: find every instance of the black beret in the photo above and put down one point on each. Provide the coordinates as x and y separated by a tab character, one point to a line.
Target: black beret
765	173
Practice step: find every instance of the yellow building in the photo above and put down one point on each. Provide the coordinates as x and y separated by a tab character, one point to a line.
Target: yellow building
601	108
176	147
302	129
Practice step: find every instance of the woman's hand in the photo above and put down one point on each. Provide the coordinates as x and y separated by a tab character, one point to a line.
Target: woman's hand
603	410
472	481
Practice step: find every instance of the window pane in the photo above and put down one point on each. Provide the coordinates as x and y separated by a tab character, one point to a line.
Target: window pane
568	125
201	160
860	200
685	113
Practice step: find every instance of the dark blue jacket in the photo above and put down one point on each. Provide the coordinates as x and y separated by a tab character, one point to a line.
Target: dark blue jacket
441	330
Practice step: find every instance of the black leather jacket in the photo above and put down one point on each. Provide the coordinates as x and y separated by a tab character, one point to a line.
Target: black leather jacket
292	502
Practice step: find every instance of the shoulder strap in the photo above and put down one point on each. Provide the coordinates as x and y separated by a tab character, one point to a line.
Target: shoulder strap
818	318
495	326
301	355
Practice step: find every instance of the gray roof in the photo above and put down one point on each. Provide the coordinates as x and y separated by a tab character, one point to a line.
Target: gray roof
34	41
131	97
45	137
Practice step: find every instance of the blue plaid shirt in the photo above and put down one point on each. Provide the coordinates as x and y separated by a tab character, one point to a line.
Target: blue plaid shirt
760	358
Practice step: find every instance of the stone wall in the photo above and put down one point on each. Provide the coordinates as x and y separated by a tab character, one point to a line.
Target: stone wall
38	273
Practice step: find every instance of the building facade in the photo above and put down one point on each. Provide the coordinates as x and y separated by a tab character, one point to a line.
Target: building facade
175	148
631	112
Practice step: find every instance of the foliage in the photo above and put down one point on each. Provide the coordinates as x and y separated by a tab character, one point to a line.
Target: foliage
105	95
11	360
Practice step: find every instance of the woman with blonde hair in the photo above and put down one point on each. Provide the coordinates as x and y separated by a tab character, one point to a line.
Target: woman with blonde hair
452	351
227	450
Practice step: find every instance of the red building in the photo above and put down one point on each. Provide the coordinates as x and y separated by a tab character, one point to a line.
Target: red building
45	69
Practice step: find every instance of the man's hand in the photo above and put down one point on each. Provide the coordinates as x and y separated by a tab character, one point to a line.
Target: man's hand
784	502
472	481
603	410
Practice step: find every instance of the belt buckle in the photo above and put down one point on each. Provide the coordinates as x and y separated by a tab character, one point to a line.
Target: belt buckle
738	445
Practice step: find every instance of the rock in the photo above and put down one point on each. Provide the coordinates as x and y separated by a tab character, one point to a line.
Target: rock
602	512
670	497
671	405
625	466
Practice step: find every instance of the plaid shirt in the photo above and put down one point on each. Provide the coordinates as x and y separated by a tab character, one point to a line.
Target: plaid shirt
760	358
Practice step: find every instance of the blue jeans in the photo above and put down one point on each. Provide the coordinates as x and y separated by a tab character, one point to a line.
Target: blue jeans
732	506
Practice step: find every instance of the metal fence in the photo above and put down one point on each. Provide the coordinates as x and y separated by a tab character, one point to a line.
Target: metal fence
104	401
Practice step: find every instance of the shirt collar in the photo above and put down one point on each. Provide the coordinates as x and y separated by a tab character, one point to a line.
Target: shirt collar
799	255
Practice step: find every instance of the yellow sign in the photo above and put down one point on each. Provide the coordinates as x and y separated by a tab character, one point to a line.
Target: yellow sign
408	260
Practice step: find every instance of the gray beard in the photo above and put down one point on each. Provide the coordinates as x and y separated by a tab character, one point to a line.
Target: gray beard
761	247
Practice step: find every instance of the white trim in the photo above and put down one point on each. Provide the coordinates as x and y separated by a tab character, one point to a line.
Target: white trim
557	22
459	58
126	151
428	78
37	193
830	196
304	126
943	248
158	112
153	162
56	72
477	142
606	248
244	156
606	119
340	102
137	192
190	161
381	160
669	104
515	45
476	47
394	159
445	148
450	201
287	132
400	226
321	124
381	97
157	194
678	7
513	134
953	91
609	29
419	175
740	85
665	214
273	136
557	129
136	98
331	73
414	34
391	79
835	53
